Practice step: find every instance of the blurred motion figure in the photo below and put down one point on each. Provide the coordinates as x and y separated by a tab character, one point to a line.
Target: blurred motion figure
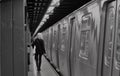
28	52
40	49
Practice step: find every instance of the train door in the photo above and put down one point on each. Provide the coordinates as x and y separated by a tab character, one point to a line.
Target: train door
48	50
72	40
51	42
0	39
57	43
63	48
54	45
109	39
46	46
116	65
46	41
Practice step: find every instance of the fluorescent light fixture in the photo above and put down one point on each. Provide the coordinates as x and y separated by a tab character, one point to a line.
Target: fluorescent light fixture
57	4
34	8
54	2
35	4
50	10
46	16
42	23
44	20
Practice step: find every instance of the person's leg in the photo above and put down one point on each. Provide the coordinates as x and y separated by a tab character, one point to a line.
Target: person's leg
36	59
28	62
28	58
40	56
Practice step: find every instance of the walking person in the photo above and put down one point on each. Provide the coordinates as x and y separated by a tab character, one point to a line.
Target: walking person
40	49
28	52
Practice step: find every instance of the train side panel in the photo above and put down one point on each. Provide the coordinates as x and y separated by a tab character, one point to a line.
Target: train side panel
74	43
111	41
86	41
72	23
45	37
47	47
0	39
116	65
55	46
50	44
63	47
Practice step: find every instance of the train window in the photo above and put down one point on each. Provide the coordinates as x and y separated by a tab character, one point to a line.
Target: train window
86	21
117	51
54	38
84	44
110	35
72	20
63	37
85	36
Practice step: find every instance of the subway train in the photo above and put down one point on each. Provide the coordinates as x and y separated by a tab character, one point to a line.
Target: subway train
87	41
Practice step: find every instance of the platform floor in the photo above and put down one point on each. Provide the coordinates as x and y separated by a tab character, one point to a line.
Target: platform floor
46	69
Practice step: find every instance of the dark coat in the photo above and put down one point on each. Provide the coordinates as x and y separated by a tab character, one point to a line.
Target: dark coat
39	43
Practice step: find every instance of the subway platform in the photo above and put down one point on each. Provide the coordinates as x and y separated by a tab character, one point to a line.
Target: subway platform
46	68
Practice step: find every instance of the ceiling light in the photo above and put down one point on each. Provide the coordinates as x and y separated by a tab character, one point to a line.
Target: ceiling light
41	23
50	9
39	4
35	4
54	2
44	20
35	8
46	16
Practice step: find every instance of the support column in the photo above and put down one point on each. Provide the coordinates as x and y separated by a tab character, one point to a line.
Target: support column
12	33
19	38
6	39
0	39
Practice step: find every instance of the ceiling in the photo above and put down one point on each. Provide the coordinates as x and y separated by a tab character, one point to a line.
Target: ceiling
35	11
37	8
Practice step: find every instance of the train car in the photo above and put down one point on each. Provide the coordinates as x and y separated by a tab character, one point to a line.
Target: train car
86	42
55	54
46	42
49	45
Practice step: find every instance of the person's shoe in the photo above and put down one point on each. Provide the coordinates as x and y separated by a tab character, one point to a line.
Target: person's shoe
28	69
39	69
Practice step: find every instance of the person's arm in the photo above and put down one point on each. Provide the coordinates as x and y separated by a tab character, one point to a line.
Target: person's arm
43	47
33	44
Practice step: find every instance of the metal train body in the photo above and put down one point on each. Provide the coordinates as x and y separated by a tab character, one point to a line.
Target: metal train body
86	42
